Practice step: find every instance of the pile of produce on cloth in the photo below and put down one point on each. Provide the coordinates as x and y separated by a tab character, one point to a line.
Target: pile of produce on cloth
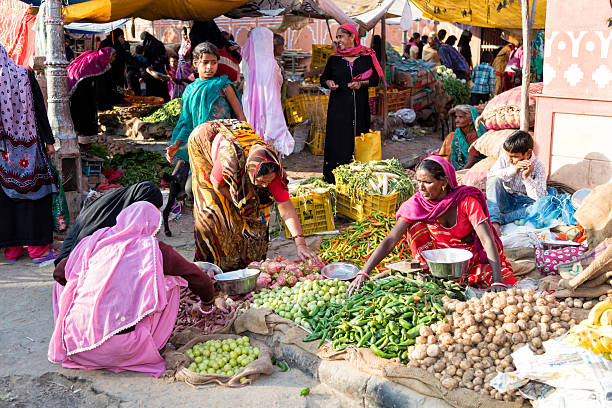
168	113
378	177
305	299
140	165
595	332
314	185
191	315
224	357
458	89
282	272
111	146
358	241
385	315
478	336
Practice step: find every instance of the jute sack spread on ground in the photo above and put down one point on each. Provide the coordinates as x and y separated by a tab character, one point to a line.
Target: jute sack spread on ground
600	265
177	362
595	214
265	321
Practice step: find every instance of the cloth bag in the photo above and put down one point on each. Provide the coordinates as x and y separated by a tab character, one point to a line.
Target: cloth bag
59	206
368	147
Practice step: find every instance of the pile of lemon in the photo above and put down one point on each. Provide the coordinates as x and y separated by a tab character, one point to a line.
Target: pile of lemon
224	357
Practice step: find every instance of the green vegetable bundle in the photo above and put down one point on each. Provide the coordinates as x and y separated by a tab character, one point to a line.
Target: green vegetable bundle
168	113
378	177
140	165
385	315
356	243
459	90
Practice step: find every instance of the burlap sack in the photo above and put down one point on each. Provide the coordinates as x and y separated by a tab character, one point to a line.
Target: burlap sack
589	293
601	264
491	144
520	253
177	363
595	214
598	281
522	267
416	379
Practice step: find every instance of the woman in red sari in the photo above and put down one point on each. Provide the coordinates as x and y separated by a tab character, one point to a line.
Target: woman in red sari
443	214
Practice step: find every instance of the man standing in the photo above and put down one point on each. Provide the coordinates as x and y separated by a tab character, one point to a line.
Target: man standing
451	58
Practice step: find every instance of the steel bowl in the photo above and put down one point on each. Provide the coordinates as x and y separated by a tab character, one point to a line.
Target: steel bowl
447	263
340	270
237	282
210	269
579	196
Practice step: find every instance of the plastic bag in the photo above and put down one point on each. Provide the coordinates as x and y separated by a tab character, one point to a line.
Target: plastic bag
549	208
59	206
407	115
368	147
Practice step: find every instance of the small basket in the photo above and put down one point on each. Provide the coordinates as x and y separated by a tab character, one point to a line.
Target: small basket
91	166
315	213
320	54
316	140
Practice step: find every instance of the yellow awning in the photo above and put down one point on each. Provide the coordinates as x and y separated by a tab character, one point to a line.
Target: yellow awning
103	11
481	13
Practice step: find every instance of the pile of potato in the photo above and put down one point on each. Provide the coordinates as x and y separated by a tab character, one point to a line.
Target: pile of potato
113	147
478	337
582	303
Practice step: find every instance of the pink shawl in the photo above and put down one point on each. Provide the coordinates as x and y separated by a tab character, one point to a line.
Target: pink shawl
88	64
114	279
261	98
417	208
359	50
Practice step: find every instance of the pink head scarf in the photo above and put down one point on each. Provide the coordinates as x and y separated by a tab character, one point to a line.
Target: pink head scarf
114	279
417	208
359	50
88	64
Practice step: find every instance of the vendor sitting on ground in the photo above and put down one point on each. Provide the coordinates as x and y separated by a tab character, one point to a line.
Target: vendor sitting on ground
515	181
236	178
443	214
116	299
456	147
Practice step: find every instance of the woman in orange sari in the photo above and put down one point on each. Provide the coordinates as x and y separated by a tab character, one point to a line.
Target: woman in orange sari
443	214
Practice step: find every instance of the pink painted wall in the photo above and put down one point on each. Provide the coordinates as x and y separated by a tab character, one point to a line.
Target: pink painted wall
573	131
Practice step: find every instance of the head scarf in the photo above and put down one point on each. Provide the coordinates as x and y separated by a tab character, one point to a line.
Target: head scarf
259	155
114	278
261	99
103	212
154	50
417	208
209	31
24	169
460	146
359	50
89	64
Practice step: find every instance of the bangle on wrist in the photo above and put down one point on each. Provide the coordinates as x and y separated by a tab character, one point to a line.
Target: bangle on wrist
364	275
297	236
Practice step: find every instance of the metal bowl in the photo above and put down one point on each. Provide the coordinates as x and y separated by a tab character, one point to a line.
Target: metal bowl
159	76
210	269
579	196
447	263
340	270
237	282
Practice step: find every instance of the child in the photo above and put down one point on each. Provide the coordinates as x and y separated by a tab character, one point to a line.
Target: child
483	77
136	71
210	97
173	65
515	181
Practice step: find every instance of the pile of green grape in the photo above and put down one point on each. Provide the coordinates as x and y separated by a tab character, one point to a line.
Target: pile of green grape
224	357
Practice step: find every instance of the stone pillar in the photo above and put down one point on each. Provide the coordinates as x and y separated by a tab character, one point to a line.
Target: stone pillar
68	157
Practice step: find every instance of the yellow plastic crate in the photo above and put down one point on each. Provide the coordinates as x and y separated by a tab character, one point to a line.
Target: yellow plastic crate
315	213
371	92
316	141
320	54
294	109
357	208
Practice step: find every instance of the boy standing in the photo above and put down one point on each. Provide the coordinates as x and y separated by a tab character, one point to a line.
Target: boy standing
483	77
515	181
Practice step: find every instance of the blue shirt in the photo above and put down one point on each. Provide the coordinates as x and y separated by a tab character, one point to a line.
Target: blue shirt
451	58
483	77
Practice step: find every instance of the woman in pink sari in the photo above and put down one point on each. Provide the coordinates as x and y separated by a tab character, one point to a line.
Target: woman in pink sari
117	296
443	214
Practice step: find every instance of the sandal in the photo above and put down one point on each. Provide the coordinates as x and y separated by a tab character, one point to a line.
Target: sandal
50	256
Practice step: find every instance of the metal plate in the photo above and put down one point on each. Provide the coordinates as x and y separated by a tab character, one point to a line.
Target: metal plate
340	270
236	275
207	266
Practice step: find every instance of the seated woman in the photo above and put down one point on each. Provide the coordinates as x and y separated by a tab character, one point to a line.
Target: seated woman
456	147
208	98
443	214
103	323
236	179
104	211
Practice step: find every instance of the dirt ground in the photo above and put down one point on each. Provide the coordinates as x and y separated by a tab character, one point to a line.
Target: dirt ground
29	380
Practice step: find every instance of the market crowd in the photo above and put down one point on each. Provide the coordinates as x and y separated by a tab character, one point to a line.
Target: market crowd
233	142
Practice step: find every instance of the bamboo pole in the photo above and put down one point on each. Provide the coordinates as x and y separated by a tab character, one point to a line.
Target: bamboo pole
526	65
383	63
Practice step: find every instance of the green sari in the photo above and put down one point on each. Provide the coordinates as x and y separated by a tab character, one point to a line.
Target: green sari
460	146
203	100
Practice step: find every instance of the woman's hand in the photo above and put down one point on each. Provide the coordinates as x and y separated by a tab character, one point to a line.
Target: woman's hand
50	150
356	284
354	85
331	84
305	254
171	151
